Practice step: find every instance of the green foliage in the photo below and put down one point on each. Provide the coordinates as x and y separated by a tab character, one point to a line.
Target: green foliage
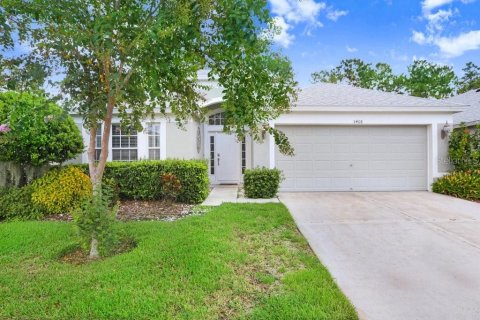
16	203
261	182
424	79
120	66
358	73
460	184
41	132
464	148
143	179
113	189
95	219
471	78
171	187
61	190
25	73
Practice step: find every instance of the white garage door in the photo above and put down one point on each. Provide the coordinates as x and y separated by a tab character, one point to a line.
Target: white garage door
360	158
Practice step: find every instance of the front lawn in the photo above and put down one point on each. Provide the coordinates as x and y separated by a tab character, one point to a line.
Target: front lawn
238	261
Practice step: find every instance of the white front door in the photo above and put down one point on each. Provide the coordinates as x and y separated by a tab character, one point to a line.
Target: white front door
227	158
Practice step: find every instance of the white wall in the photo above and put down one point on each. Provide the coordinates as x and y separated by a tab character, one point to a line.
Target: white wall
182	143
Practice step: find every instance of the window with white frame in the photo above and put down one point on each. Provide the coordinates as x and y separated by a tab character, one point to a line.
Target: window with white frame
153	131
217	119
98	142
124	143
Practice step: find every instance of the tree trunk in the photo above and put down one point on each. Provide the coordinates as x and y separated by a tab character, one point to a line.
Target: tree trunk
94	249
96	168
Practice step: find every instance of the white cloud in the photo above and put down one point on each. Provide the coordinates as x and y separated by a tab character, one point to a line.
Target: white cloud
335	14
437	19
449	46
289	13
351	49
294	11
457	46
281	36
419	37
428	5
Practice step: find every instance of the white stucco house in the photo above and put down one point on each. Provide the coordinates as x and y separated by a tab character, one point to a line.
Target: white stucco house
345	139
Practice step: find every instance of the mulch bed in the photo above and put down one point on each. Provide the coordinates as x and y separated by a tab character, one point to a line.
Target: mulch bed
152	210
132	210
79	256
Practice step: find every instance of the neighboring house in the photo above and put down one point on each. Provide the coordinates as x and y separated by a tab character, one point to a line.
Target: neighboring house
345	139
471	116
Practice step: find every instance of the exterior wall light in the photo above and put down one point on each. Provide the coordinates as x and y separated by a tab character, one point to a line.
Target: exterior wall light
446	130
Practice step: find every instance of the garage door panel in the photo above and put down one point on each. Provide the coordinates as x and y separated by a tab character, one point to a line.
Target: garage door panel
323	165
323	183
359	164
340	158
341	183
322	147
359	148
341	165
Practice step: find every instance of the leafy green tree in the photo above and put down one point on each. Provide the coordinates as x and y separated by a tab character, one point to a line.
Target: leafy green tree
39	131
358	73
23	74
26	72
386	80
426	79
470	79
138	57
354	72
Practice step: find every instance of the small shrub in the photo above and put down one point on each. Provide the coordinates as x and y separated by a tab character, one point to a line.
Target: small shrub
16	203
95	220
61	190
112	187
464	148
171	187
142	180
262	182
460	184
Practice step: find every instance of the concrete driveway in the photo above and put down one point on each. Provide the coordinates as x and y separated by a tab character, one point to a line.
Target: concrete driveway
396	255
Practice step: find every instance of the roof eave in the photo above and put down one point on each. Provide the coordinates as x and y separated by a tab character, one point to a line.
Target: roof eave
391	109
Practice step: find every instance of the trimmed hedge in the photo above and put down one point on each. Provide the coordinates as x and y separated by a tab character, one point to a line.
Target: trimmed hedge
460	184
16	203
142	180
261	182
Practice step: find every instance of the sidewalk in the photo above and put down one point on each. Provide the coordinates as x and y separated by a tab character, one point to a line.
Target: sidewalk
229	193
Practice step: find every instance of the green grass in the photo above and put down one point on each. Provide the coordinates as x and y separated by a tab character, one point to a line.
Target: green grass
236	262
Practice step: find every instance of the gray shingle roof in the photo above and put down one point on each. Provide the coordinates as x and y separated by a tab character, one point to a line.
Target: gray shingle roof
332	95
470	116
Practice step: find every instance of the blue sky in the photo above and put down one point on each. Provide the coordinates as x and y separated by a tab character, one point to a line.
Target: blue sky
317	34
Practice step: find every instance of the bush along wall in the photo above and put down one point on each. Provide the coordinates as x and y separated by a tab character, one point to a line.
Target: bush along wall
261	182
460	184
142	180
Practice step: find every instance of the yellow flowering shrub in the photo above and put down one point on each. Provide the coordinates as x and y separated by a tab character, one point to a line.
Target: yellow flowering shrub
61	190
